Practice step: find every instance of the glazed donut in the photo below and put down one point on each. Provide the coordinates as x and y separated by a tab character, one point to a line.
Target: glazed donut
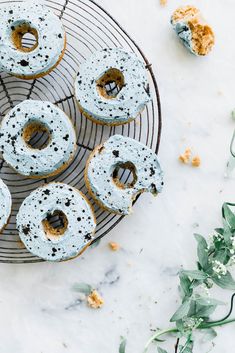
5	204
19	18
127	72
101	173
21	123
46	241
191	28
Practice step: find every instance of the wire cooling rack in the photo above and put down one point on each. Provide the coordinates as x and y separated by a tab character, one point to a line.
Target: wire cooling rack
89	28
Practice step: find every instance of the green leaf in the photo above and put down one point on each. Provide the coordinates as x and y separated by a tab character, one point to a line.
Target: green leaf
158	340
192	310
221	256
219	231
197	310
195	283
225	281
160	350
188	347
122	347
185	284
209	334
228	215
218	244
82	288
227	232
180	326
202	251
199	275
209	301
203	311
181	312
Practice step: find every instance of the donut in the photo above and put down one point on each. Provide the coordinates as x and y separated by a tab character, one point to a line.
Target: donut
20	124
44	240
194	32
19	18
101	173
114	67
5	204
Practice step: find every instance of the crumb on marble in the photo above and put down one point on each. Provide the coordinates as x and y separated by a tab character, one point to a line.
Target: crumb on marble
184	12
163	2
203	38
185	157
114	246
196	161
94	300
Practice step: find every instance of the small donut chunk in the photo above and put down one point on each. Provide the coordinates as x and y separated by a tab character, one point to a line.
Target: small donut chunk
5	204
21	123
116	67
192	29
40	237
19	18
101	173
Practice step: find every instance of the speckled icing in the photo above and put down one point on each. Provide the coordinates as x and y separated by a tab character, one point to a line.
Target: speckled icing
45	200
37	162
51	38
99	171
5	204
129	102
184	32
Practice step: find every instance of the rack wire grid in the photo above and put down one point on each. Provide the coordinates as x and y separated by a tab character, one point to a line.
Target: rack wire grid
89	27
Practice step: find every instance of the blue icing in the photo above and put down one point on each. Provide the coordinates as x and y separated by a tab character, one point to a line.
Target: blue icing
46	200
5	204
51	38
37	162
131	99
100	167
185	34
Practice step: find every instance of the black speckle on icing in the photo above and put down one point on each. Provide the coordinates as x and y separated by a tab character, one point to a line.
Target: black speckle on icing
116	153
24	62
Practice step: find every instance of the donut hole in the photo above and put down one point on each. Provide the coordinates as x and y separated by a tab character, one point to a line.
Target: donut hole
24	37
124	175
36	135
55	224
110	83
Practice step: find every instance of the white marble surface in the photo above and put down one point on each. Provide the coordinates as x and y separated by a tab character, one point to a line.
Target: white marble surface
38	310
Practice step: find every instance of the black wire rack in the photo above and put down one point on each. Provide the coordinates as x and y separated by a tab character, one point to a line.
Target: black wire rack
89	27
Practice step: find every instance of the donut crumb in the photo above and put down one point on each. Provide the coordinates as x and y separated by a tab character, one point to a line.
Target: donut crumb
94	300
196	161
184	12
114	246
203	37
163	2
185	157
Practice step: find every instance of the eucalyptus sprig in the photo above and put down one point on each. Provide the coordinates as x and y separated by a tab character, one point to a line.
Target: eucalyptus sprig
214	260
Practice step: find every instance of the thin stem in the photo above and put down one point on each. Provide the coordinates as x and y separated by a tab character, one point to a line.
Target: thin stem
157	335
231	146
231	309
215	324
228	315
177	345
